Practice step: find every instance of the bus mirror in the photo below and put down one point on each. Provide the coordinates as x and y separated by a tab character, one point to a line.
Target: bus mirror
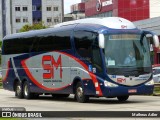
155	37
101	40
156	40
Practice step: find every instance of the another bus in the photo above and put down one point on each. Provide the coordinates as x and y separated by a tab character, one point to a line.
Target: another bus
71	58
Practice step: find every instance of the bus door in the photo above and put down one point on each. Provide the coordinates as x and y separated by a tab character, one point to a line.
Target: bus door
87	50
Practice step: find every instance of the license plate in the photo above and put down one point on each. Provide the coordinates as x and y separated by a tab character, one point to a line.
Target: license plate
132	91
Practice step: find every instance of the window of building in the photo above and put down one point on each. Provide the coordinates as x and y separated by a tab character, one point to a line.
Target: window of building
49	19
39	8
56	20
25	19
18	20
17	30
34	8
17	9
25	8
55	8
48	8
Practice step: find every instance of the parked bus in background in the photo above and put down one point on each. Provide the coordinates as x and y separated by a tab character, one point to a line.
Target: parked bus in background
84	57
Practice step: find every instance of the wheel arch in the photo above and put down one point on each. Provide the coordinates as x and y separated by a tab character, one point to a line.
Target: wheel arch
18	80
75	81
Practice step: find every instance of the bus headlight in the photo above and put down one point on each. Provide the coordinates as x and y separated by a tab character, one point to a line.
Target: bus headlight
151	82
109	84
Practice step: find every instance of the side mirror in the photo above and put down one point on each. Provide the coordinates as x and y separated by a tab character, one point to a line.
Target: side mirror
101	40
155	38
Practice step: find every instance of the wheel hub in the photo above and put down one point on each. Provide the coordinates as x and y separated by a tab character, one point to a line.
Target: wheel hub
79	92
18	89
26	90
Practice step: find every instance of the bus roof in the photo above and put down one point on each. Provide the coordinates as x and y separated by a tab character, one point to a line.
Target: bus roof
92	23
109	22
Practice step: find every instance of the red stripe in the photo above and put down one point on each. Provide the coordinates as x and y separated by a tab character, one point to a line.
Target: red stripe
35	81
93	77
86	68
8	65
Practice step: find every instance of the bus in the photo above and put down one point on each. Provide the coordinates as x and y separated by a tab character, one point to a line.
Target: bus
71	58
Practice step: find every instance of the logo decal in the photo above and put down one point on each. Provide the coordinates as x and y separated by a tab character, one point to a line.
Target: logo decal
49	64
123	26
121	80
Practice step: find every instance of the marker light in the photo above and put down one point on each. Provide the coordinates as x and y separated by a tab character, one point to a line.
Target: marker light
109	84
151	82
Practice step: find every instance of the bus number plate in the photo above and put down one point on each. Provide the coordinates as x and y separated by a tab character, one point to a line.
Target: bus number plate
132	91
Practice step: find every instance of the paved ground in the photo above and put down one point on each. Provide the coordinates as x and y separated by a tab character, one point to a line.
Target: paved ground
47	103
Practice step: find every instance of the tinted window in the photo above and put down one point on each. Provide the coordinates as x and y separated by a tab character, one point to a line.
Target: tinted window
86	44
83	43
17	46
54	41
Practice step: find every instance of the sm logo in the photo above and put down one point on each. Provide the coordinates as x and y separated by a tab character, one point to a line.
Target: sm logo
49	64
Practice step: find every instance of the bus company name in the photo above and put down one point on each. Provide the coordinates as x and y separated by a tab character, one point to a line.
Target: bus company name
121	80
49	64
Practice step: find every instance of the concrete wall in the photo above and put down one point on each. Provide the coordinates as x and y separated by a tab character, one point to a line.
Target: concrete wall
52	14
154	8
21	14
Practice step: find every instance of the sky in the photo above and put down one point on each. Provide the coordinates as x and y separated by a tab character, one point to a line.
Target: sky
68	3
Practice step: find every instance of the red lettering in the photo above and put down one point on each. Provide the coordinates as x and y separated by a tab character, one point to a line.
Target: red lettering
121	80
49	64
123	26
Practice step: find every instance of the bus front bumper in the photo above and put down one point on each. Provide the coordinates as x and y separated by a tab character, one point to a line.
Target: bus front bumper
124	90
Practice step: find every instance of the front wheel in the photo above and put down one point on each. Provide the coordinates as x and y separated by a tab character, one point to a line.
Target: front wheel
123	98
79	93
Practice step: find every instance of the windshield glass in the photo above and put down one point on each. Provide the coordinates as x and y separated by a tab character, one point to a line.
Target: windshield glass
127	54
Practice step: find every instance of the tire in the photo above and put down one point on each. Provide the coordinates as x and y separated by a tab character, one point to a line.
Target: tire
60	95
18	90
123	98
79	93
26	91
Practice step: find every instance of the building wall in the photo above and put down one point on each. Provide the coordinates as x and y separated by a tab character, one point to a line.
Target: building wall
28	12
8	17
154	8
1	28
54	15
16	26
92	6
80	7
36	11
133	9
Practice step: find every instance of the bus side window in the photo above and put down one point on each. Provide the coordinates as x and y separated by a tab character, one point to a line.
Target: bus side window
83	44
86	44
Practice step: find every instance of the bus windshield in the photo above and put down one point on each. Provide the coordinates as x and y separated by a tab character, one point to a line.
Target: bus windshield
127	54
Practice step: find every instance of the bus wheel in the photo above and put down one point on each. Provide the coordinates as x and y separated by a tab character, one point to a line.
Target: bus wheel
79	94
18	90
60	95
26	91
123	98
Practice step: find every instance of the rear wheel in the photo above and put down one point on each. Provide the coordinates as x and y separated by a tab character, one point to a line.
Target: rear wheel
18	90
123	98
79	93
26	91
